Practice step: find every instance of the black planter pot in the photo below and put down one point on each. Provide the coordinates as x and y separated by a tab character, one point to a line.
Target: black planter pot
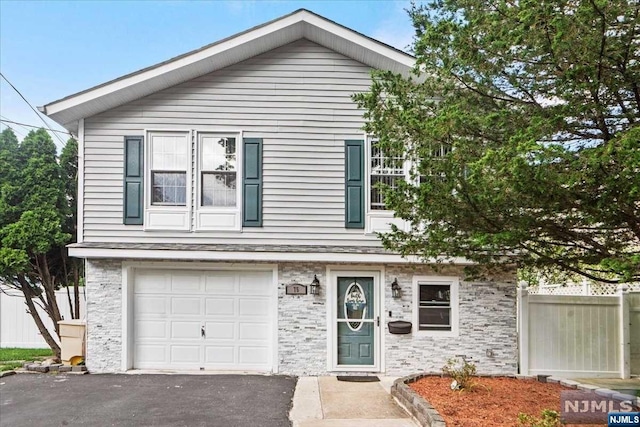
400	327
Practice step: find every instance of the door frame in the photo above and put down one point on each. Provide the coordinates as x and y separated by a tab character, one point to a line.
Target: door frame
377	273
129	269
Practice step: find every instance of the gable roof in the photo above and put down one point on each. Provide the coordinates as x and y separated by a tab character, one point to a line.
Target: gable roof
231	50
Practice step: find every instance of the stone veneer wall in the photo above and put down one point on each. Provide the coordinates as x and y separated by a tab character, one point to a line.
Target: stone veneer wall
487	321
104	315
302	321
487	314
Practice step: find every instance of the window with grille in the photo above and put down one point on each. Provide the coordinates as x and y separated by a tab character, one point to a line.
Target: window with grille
385	170
218	168
437	154
169	163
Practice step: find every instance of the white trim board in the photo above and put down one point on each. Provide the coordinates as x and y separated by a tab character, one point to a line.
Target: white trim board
203	255
80	189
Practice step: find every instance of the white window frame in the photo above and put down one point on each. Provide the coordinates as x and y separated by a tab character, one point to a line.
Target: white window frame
218	218
379	219
454	283
159	216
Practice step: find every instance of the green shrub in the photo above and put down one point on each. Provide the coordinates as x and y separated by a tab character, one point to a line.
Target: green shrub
548	418
461	371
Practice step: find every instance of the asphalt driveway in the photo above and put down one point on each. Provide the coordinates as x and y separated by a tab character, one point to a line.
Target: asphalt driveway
145	400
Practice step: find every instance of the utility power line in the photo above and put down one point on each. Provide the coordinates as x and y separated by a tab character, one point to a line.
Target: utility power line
5	120
21	126
16	131
34	110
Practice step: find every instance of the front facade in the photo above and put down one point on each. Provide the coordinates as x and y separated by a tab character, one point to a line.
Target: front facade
214	189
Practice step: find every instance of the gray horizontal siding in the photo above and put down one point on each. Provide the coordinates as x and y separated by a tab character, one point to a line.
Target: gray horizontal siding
296	98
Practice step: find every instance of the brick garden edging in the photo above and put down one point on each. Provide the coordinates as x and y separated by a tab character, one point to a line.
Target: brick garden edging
421	410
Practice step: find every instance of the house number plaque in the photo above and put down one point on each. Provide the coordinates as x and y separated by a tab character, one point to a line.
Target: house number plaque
296	289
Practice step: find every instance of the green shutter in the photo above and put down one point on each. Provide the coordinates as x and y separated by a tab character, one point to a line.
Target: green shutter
133	176
354	183
252	182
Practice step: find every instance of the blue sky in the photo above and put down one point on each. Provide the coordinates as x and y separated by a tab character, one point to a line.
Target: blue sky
51	49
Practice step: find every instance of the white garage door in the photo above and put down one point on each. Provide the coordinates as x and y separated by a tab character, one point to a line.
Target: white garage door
194	320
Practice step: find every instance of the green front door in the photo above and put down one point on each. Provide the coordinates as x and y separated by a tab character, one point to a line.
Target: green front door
356	321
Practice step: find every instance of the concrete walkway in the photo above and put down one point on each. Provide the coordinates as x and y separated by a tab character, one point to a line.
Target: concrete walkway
327	402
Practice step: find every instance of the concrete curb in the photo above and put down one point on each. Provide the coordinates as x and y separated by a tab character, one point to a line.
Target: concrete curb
7	373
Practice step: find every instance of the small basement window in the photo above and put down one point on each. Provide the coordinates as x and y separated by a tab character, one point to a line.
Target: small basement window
436	305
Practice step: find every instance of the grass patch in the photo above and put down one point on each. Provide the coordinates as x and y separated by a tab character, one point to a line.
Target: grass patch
28	354
8	366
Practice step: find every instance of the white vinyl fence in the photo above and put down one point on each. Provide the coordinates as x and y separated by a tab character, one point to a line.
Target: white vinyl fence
17	328
579	330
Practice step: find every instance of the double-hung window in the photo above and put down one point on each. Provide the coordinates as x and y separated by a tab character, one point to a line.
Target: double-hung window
385	170
169	164
219	181
436	305
194	180
219	171
168	188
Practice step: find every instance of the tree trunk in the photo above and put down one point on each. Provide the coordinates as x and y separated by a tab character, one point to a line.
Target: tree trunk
50	291
70	305
26	291
66	281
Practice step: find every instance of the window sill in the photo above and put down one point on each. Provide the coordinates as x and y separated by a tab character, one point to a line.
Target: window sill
380	221
437	334
167	218
218	219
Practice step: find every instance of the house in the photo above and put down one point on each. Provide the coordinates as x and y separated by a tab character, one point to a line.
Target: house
219	188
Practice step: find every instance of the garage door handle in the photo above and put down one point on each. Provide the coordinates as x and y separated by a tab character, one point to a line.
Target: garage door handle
202	332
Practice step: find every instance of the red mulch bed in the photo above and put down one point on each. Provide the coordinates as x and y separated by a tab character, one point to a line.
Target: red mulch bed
493	402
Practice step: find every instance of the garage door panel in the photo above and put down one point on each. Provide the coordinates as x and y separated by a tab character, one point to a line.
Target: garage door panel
253	307
152	354
148	305
186	306
185	354
252	355
234	307
221	330
150	329
220	307
254	284
254	331
220	284
150	283
186	283
220	355
185	330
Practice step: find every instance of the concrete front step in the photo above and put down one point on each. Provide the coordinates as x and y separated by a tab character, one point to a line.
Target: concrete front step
325	401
